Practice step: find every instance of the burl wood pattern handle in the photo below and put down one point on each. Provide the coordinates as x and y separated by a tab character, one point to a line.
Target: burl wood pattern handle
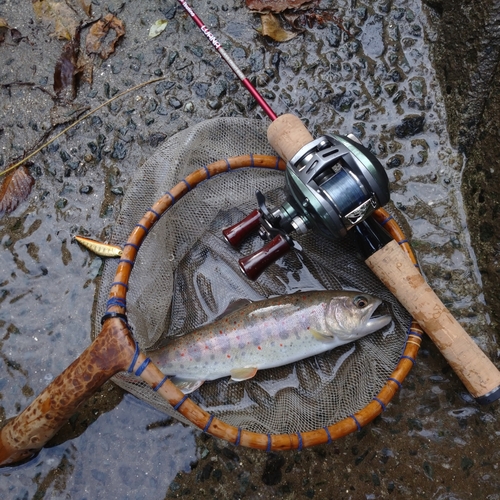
111	352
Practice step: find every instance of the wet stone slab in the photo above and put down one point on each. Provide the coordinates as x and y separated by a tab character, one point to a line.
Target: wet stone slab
379	84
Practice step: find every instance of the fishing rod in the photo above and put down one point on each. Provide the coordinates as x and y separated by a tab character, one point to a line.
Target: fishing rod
334	182
334	185
244	80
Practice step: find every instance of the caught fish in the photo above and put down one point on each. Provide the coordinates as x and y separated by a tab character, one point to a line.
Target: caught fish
267	334
99	248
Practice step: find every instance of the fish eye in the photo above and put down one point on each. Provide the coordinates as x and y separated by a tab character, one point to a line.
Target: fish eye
360	301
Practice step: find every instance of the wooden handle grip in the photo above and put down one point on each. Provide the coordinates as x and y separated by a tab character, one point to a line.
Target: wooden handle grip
402	278
24	435
287	134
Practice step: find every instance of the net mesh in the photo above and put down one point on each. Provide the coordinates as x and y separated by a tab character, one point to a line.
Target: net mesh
186	275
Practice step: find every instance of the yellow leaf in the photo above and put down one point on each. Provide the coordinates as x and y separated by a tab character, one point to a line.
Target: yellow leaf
272	28
99	248
3	23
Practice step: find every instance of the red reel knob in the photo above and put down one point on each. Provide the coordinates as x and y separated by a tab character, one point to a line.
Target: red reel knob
253	265
236	233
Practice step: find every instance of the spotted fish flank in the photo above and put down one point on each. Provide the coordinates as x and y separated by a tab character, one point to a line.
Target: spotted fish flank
252	338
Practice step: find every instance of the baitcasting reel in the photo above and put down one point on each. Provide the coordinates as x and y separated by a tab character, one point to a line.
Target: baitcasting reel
333	184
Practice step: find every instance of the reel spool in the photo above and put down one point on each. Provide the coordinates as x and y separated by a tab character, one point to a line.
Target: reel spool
333	184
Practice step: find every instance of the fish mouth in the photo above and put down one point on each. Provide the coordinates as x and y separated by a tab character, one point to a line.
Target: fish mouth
378	319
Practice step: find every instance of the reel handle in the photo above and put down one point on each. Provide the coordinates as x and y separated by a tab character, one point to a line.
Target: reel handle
254	264
237	232
478	373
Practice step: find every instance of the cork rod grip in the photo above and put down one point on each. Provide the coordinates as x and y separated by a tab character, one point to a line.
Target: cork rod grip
394	268
287	134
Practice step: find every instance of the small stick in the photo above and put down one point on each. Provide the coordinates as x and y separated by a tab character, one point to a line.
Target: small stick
50	141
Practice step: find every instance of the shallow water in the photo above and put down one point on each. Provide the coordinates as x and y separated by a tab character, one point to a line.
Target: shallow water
433	441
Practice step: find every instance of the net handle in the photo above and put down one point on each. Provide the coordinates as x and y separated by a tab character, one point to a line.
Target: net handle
23	436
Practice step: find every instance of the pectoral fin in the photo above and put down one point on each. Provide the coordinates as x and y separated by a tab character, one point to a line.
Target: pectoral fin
187	386
239	374
319	336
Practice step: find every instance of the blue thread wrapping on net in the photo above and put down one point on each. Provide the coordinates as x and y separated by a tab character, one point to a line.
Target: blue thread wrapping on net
408	332
179	404
162	381
116	301
268	449
329	436
120	316
356	421
277	167
134	359
408	357
402	242
414	332
172	197
386	220
208	423
397	382
127	261
154	212
228	165
238	437
133	245
207	171
146	230
252	164
120	283
382	405
141	368
187	184
301	444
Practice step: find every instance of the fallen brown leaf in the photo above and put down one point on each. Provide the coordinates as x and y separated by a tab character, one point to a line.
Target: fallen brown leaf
275	5
15	188
98	33
64	17
66	71
4	27
271	27
86	6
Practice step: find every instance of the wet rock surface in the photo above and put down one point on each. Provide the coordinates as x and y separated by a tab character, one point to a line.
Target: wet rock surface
469	72
433	440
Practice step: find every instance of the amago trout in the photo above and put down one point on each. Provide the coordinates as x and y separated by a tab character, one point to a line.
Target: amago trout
269	333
